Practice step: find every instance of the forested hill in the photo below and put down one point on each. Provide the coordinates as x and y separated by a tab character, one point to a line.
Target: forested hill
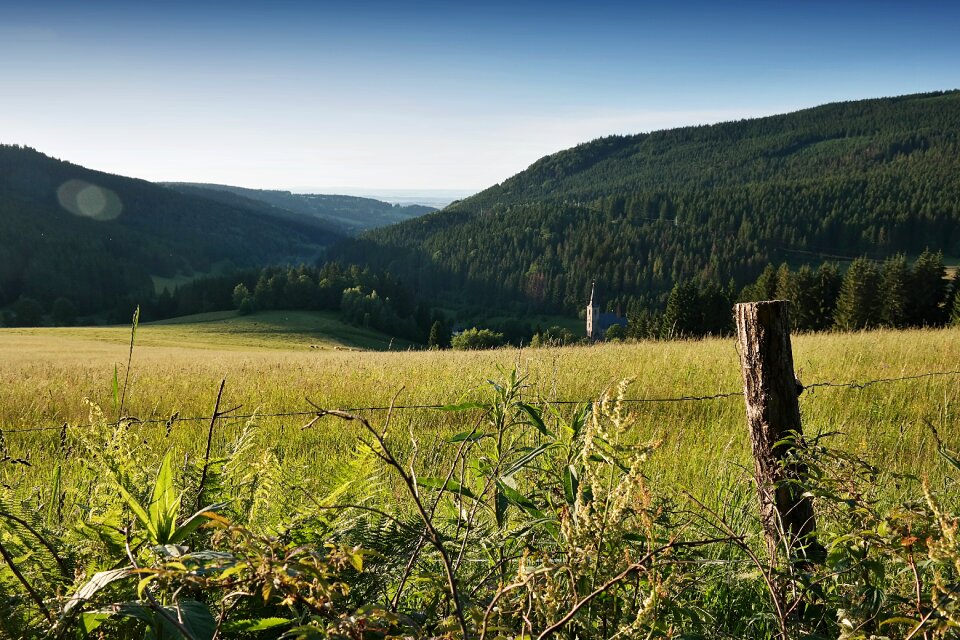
639	213
96	239
350	214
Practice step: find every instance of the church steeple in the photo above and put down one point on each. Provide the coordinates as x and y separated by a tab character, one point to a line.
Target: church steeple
593	315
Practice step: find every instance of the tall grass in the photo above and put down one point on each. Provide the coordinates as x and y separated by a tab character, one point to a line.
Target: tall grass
79	486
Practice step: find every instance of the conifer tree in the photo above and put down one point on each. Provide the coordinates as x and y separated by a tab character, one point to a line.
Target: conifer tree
805	311
765	287
827	291
437	339
927	290
857	304
894	295
681	316
787	288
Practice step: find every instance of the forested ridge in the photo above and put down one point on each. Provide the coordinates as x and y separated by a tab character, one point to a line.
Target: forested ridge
94	239
639	214
349	214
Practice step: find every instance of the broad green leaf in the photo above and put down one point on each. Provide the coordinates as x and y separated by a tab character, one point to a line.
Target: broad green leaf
450	485
535	418
194	616
194	522
520	500
526	459
248	626
89	621
143	584
164	503
138	510
469	436
92	586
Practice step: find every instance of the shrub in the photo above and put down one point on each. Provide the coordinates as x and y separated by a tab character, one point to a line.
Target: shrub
474	338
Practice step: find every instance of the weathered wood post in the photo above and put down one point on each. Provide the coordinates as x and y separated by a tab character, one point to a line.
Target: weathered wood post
770	390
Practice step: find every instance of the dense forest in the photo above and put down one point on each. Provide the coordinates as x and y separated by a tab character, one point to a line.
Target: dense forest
349	214
709	207
639	214
95	239
894	293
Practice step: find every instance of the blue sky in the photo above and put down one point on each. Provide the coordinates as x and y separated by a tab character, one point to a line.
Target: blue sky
434	95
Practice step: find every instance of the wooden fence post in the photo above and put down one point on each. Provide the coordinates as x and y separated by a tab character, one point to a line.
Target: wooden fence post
770	390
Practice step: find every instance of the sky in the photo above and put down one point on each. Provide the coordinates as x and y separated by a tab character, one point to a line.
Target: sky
380	96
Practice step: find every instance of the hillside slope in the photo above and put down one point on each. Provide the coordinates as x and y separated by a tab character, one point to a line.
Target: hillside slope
637	213
96	238
350	214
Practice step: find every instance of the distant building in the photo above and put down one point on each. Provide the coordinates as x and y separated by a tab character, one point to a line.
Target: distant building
598	323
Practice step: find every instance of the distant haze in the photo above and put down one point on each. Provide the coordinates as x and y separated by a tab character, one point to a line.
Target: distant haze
438	198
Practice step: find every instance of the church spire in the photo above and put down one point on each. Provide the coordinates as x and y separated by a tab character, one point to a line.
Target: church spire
592	285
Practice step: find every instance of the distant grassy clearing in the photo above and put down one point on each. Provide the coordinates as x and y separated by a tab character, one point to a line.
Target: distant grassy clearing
218	330
176	367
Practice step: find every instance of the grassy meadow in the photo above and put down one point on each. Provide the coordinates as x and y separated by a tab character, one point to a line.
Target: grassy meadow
269	368
296	495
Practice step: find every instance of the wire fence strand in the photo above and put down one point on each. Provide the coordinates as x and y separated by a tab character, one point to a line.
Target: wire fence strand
229	415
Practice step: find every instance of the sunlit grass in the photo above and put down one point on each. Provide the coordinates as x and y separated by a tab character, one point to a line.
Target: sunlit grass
270	367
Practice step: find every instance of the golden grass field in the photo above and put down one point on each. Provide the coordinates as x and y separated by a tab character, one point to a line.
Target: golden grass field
48	373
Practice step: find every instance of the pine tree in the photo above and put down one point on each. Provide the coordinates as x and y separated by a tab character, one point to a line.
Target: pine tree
681	317
827	291
857	304
787	288
894	295
765	287
806	303
927	290
439	335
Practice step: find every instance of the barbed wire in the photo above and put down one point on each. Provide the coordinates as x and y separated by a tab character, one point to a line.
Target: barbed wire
228	414
868	383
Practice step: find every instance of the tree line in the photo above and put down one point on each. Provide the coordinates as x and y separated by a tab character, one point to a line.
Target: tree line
893	293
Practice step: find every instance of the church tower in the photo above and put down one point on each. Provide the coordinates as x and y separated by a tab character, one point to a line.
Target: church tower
593	317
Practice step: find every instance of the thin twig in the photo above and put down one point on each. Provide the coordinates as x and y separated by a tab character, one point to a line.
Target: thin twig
206	455
26	585
126	376
64	571
394	602
626	573
434	535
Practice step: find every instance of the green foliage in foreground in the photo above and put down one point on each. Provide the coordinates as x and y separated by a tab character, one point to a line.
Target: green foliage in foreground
530	523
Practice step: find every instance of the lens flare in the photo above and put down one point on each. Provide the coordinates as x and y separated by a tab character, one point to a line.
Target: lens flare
89	200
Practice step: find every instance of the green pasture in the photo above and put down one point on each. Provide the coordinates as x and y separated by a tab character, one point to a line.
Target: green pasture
274	363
